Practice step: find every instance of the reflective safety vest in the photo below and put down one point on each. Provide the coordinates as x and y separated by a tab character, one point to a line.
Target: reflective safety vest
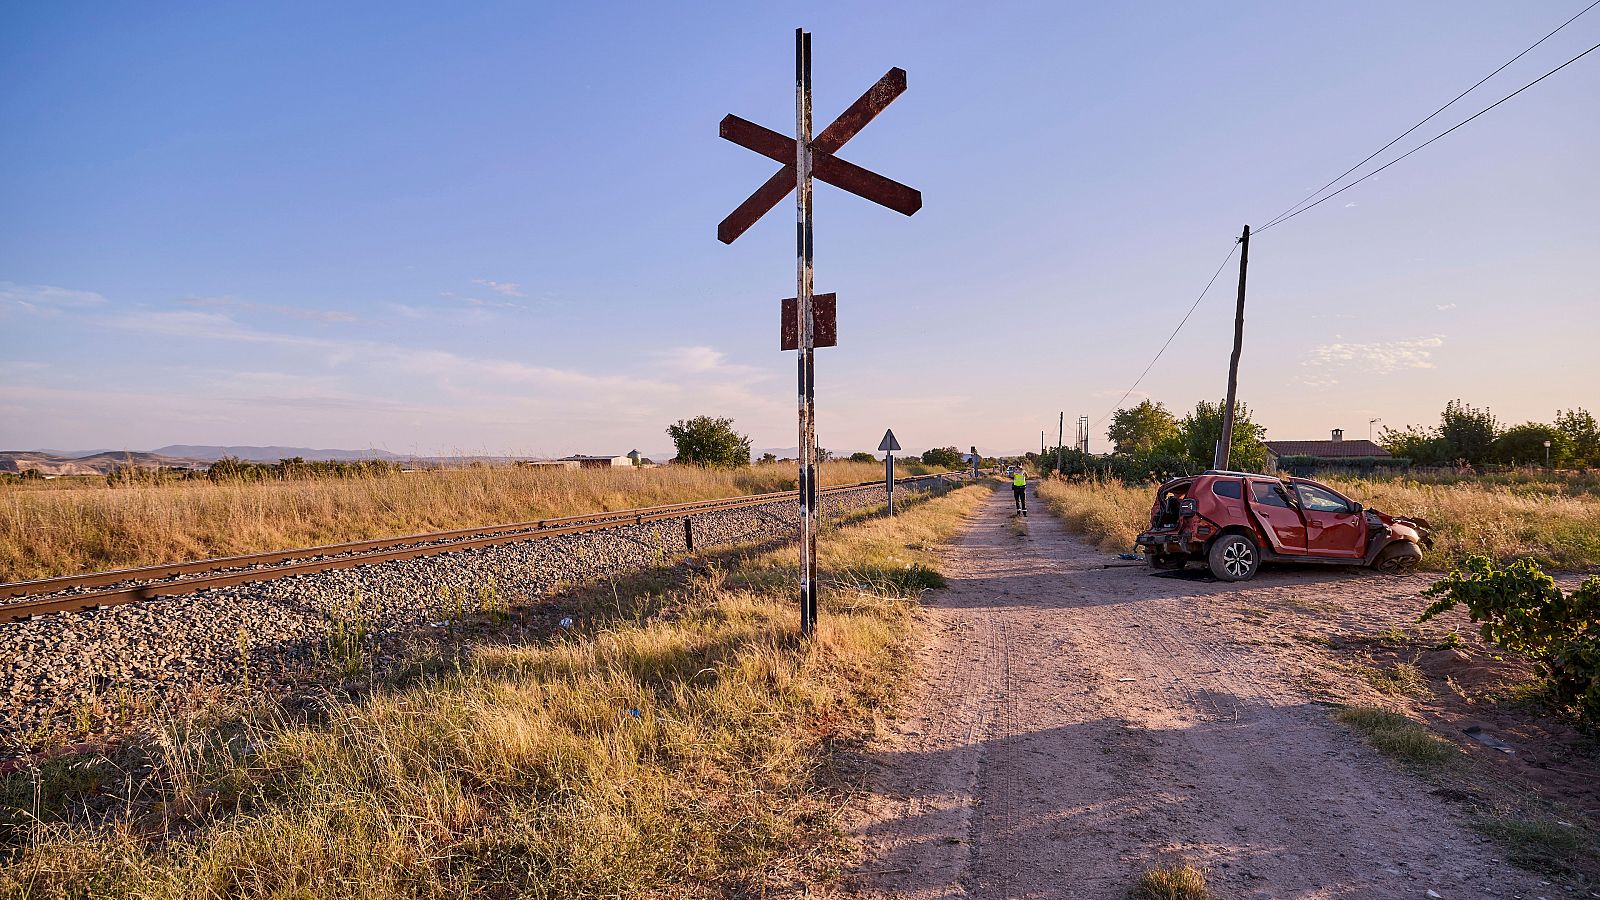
1019	480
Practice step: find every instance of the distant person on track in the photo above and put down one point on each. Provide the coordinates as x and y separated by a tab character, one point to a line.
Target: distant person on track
1019	491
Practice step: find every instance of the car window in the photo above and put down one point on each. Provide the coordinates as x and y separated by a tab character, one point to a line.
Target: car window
1316	499
1269	493
1228	488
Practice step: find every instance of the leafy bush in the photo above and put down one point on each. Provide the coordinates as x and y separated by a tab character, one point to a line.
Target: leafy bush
710	443
943	458
1522	609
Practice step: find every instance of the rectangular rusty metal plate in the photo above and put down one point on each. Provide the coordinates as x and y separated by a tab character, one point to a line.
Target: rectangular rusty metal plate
824	321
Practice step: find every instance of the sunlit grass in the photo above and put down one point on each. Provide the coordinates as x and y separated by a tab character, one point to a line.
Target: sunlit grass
676	743
1558	526
60	532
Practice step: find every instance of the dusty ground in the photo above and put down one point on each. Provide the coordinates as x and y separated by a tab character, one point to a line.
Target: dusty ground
1078	724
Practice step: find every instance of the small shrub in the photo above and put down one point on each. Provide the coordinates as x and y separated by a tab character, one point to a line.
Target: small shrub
1180	881
1400	680
1522	609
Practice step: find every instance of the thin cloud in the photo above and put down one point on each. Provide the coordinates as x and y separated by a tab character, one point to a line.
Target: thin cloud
293	312
478	304
702	360
504	288
1378	358
1444	307
45	299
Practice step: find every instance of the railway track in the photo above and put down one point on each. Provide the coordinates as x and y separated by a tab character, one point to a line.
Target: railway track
25	599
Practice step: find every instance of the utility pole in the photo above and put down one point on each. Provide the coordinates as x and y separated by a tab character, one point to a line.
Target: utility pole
1225	445
1083	434
1061	437
1041	444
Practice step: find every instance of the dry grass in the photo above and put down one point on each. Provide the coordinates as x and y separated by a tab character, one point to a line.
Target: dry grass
1396	736
1554	522
1179	881
1548	521
677	747
60	532
1106	511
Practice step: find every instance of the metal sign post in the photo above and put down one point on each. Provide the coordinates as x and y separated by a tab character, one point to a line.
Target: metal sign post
888	446
803	158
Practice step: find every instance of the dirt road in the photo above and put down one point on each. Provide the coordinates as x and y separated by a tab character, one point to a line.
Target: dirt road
1077	725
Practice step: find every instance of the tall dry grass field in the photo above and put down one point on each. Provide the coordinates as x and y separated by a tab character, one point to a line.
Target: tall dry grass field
1555	521
61	532
1106	511
676	743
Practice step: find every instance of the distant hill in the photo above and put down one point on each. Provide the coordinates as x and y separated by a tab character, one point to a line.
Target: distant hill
92	464
267	454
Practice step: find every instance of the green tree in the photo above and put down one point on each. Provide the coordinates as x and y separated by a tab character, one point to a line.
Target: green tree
943	458
1422	446
1200	430
1583	437
710	442
862	456
1142	428
1469	433
1525	444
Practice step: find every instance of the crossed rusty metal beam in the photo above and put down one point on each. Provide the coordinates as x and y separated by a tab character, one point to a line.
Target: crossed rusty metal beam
825	165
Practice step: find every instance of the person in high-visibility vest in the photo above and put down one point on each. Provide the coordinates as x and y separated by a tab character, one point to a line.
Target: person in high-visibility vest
1019	491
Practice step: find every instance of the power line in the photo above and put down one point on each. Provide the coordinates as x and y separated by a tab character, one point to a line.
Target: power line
1170	337
1286	213
1434	138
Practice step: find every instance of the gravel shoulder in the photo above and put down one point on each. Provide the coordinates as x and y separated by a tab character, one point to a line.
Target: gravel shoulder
1077	724
75	676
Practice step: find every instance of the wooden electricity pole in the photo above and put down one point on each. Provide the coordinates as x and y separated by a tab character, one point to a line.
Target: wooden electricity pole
1225	443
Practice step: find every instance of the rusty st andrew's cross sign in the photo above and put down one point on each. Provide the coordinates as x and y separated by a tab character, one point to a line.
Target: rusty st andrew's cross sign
804	158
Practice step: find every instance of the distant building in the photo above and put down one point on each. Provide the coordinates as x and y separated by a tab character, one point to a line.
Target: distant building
1337	452
598	462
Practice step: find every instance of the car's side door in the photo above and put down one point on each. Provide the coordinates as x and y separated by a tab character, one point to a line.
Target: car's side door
1276	510
1334	526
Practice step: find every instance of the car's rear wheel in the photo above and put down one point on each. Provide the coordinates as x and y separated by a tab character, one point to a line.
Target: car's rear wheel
1399	558
1233	557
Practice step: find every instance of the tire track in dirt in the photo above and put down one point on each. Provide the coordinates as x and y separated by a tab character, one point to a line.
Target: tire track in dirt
1078	724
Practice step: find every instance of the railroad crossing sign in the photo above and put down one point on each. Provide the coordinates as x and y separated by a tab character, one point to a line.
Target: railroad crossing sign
804	158
888	444
826	166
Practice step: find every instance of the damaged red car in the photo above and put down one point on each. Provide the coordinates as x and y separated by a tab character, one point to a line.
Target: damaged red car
1235	521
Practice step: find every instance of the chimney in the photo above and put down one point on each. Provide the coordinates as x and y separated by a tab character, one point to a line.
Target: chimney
1338	434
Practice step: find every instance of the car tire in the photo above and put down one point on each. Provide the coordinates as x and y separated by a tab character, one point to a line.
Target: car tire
1233	557
1167	561
1399	558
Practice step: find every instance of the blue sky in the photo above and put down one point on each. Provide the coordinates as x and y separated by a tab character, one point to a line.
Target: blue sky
491	228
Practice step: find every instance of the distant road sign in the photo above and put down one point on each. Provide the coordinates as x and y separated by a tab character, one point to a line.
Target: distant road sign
888	444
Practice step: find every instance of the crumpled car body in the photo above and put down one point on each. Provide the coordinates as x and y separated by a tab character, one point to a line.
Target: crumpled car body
1235	521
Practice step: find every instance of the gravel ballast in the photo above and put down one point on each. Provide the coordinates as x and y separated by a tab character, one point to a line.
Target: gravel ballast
152	654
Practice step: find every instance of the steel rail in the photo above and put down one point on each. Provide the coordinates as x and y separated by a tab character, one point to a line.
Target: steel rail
147	582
